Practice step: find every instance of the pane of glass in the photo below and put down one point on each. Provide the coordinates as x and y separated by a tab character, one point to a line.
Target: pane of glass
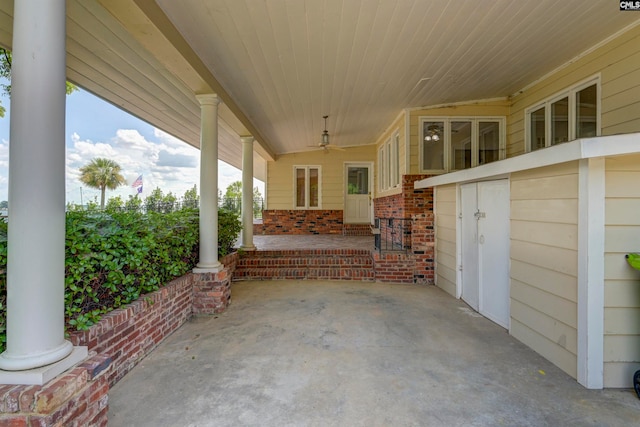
300	188
586	112
560	121
537	129
381	169
358	180
488	142
433	146
314	187
396	160
460	145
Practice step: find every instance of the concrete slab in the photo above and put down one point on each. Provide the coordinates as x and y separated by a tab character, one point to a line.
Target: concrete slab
310	353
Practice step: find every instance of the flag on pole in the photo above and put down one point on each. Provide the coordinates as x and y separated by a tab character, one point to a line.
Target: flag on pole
137	182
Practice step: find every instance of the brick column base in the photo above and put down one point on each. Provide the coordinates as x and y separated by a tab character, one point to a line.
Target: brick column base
76	398
211	292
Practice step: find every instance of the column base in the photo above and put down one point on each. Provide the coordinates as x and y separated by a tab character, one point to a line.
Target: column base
39	376
248	247
199	269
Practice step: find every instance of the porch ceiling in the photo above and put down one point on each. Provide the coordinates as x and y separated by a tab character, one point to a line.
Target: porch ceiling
280	65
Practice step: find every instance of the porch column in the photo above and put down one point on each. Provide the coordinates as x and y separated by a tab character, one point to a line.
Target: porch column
247	193
208	184
36	240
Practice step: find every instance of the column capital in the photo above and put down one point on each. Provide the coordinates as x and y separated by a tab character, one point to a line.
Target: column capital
208	99
247	139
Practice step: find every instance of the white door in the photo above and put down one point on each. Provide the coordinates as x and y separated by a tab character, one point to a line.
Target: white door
485	248
357	207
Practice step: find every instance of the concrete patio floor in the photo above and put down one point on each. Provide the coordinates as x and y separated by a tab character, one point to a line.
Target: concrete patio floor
313	353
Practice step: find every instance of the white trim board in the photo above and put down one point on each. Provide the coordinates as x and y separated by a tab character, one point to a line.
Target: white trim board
587	148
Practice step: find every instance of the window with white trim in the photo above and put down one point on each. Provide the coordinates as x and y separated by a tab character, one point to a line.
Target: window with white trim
454	143
389	163
307	181
569	115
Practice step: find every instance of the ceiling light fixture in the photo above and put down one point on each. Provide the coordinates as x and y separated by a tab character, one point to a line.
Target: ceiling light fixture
432	133
325	133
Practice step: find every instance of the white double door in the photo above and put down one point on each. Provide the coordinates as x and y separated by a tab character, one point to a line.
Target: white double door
485	248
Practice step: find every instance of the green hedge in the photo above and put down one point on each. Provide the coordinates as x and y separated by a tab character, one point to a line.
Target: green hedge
114	257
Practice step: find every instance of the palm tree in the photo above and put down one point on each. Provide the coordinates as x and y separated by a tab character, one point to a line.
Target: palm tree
102	173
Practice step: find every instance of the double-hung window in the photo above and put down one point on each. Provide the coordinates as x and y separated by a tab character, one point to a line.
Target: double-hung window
389	163
569	115
449	144
307	187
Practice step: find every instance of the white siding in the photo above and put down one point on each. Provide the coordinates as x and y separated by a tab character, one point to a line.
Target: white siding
544	262
445	230
622	283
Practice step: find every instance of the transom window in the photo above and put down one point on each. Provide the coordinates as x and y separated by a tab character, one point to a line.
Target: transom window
449	144
307	186
570	115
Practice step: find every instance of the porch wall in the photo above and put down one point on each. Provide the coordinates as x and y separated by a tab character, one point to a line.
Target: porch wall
622	283
445	236
544	262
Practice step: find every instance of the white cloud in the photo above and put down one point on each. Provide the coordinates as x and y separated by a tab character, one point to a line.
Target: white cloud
164	162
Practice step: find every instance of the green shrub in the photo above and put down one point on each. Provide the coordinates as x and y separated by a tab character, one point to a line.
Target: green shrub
114	257
229	227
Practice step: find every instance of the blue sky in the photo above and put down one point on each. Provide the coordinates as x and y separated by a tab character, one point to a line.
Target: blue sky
96	128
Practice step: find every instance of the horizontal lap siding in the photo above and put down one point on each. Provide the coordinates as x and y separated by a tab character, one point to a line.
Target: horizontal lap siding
618	63
622	283
445	224
280	182
544	262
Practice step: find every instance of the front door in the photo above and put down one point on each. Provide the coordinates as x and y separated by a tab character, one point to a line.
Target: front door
485	248
357	207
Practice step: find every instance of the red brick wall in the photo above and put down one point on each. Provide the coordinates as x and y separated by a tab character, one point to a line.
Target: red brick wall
131	332
301	222
410	202
121	339
76	398
417	265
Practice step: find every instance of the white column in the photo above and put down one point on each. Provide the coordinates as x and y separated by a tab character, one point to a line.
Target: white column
36	240
208	184
247	193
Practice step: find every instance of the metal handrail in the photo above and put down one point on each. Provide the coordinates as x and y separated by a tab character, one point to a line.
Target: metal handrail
392	234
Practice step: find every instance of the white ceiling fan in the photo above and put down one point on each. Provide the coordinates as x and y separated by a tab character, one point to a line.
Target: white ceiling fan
324	142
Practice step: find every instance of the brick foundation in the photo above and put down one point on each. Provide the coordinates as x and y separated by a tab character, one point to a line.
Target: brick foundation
211	292
76	398
117	343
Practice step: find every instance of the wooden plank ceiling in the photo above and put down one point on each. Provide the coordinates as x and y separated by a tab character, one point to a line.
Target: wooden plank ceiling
280	65
289	62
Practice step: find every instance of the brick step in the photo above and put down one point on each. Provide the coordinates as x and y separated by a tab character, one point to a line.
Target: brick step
306	253
304	273
356	230
306	261
333	264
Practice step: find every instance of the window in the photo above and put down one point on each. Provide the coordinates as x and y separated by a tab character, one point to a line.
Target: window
389	163
307	187
449	144
567	116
